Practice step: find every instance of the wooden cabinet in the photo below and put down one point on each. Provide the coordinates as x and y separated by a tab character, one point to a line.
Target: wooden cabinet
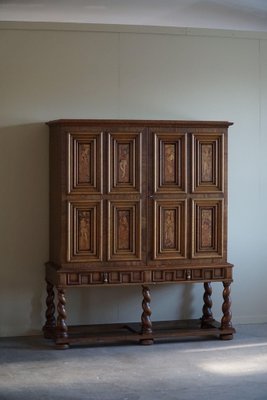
137	202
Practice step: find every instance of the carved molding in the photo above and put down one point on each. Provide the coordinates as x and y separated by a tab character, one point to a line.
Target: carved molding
207	231
170	229
207	163
85	231
124	227
124	162
85	162
169	162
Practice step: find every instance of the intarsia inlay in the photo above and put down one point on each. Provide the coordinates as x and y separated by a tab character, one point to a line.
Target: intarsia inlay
207	167
123	163
206	228
84	168
169	218
169	162
123	232
84	229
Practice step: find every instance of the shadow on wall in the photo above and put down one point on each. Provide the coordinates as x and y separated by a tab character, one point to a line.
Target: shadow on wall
24	155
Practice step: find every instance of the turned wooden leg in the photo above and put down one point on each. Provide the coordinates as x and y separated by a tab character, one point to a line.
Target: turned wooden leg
50	324
61	329
207	316
146	327
226	309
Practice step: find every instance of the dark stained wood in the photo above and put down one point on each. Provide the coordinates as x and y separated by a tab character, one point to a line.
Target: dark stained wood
131	332
137	202
50	324
61	327
207	317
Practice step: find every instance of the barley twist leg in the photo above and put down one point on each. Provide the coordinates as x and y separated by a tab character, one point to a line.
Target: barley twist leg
61	329
207	316
146	327
226	309
50	324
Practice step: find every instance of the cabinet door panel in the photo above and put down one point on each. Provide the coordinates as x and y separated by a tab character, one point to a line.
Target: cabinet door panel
124	227
85	163
85	231
169	162
124	164
207	156
207	240
170	229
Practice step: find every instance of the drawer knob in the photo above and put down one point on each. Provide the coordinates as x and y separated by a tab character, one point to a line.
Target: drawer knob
105	277
188	274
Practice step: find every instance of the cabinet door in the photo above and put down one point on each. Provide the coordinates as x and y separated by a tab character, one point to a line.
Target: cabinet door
126	196
84	233
208	194
167	195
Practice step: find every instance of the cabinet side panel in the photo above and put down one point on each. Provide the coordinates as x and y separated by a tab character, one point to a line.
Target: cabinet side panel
55	194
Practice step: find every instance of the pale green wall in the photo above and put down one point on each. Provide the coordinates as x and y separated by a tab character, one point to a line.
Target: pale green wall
50	71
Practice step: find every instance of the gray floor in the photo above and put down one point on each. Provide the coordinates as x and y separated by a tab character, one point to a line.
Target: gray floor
31	369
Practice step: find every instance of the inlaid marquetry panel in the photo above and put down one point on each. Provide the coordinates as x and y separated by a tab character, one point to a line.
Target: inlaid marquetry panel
85	163
169	162
85	231
169	229
208	163
207	240
124	227
125	154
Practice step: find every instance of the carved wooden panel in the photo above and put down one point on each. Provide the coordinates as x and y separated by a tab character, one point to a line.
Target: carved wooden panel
85	231
170	229
124	227
85	163
207	240
169	162
125	154
208	165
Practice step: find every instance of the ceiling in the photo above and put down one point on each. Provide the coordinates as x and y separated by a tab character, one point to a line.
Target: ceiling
216	14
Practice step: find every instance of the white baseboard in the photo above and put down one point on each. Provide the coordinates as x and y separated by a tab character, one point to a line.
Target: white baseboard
250	319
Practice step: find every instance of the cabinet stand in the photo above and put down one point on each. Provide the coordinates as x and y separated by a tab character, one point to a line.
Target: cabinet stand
143	333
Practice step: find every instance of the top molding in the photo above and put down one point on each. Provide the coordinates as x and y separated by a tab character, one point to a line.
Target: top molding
182	123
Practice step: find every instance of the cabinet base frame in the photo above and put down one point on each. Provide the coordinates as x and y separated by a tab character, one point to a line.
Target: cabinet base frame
131	333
